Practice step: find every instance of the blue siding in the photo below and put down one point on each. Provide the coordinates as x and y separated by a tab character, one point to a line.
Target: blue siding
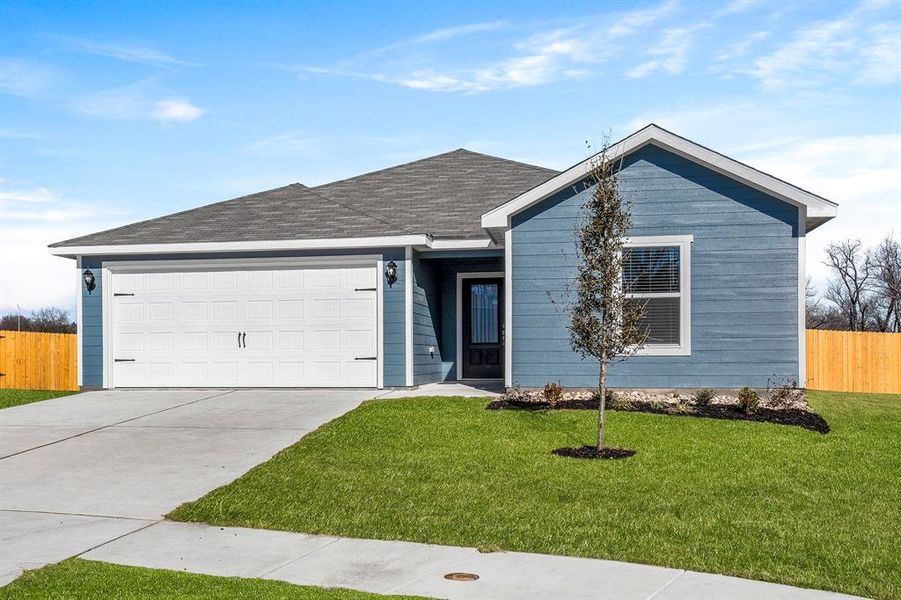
394	338
92	327
744	279
427	367
395	361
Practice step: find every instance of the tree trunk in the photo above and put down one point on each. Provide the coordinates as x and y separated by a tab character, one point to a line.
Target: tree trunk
602	400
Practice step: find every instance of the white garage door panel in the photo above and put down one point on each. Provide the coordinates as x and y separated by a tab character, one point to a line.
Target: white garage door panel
298	327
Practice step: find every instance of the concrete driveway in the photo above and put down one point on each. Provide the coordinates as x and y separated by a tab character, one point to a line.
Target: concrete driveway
79	471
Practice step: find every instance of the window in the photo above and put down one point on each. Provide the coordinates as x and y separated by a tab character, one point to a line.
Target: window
483	315
656	271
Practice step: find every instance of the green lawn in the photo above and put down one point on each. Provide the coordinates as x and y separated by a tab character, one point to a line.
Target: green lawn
16	397
756	500
76	579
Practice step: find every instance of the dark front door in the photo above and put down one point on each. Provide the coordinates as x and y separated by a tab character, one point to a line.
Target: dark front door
483	328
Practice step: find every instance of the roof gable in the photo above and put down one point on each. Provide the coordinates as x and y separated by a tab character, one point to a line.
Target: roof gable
818	209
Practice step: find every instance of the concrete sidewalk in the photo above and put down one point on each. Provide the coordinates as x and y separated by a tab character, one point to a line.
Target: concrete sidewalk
418	569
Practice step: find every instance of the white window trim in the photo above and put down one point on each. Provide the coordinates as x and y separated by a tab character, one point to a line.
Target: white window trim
504	332
115	266
683	242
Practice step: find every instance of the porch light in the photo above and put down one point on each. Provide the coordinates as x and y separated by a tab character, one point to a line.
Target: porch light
89	282
391	273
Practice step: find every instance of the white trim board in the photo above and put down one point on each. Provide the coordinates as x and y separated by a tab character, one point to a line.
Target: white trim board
819	209
257	246
508	308
420	242
802	299
108	267
79	320
459	318
408	316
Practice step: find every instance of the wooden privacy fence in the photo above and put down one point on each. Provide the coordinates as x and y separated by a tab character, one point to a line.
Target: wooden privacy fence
38	361
854	361
841	361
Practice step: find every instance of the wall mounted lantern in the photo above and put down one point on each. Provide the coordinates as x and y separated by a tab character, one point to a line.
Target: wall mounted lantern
89	281
391	273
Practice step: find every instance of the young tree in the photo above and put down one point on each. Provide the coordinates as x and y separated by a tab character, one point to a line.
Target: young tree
604	322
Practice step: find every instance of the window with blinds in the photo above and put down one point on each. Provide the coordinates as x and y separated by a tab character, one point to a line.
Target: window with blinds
652	276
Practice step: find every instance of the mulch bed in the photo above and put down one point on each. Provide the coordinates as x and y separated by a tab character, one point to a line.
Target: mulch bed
591	452
787	416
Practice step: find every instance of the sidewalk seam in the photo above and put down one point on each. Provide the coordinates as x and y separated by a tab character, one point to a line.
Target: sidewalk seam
668	583
74	514
119	537
297	558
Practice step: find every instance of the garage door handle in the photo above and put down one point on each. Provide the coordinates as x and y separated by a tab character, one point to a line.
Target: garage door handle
244	339
366	358
365	289
121	294
123	360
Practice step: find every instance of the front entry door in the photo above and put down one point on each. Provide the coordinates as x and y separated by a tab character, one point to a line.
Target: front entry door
483	328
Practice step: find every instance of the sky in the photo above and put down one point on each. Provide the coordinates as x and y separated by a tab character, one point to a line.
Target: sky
115	112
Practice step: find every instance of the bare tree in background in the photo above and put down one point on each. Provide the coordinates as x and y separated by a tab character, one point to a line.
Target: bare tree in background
865	291
48	320
848	260
885	268
604	321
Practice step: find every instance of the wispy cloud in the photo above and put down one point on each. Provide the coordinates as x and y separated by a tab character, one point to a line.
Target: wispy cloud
32	195
846	47
739	6
141	100
130	53
741	48
29	203
630	22
287	143
17	134
448	33
177	110
538	58
25	78
671	52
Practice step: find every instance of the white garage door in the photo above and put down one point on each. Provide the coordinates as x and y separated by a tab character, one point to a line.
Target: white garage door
281	327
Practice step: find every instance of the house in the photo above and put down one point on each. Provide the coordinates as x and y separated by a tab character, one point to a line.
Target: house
446	269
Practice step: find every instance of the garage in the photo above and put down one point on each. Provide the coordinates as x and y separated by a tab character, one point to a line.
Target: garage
215	324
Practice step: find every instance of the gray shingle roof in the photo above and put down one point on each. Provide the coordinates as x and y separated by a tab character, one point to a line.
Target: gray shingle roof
443	195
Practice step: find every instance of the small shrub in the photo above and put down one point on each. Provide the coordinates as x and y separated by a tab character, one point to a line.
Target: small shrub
681	408
703	396
784	394
748	400
553	392
610	396
658	405
516	395
616	401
